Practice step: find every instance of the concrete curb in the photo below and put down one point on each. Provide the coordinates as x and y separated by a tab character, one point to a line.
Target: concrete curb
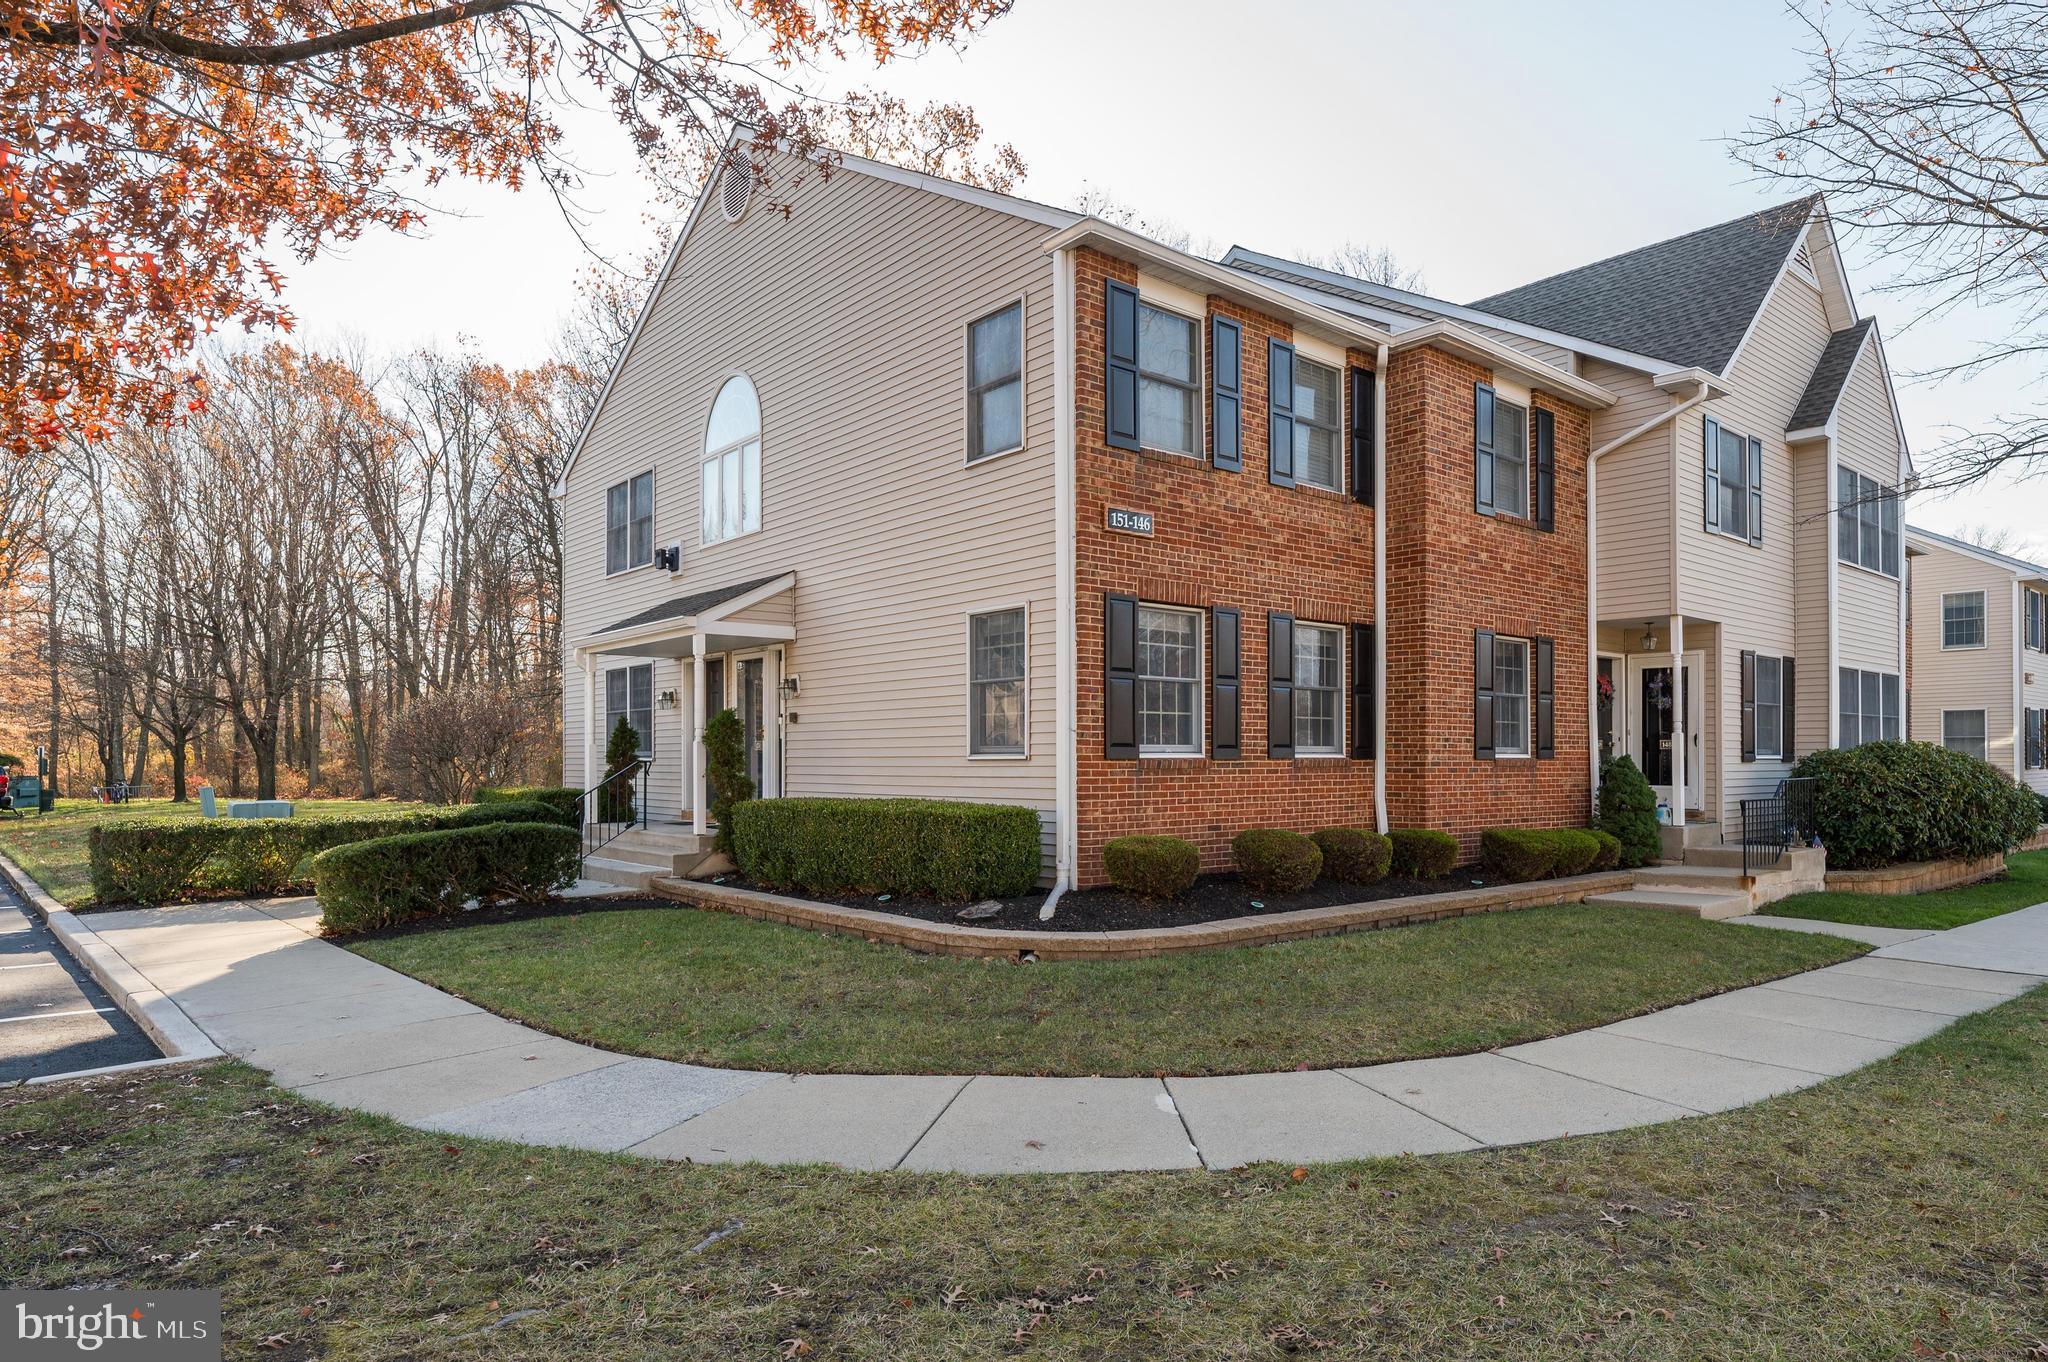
161	1019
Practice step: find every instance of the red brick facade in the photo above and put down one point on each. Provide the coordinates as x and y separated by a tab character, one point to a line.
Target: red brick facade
1236	540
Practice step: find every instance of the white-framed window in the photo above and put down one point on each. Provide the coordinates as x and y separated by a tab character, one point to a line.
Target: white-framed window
730	492
1169	681
1866	523
2036	605
1318	425
629	524
1962	619
1510	697
1502	451
1318	690
1770	708
996	661
629	695
1868	707
995	383
1962	730
1169	380
1734	474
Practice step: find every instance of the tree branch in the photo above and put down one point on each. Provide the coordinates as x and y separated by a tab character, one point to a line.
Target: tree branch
171	43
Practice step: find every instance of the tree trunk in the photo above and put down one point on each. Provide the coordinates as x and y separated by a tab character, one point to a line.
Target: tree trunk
178	769
139	768
56	684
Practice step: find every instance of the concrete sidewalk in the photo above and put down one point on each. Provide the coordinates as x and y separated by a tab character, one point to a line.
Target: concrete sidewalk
336	1027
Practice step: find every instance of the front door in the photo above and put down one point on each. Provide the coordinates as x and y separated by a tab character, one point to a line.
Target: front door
714	700
1653	702
752	718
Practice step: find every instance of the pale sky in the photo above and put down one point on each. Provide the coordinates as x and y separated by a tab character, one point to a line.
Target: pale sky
1488	144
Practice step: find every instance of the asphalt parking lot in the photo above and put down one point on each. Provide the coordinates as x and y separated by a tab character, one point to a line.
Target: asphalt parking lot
54	1018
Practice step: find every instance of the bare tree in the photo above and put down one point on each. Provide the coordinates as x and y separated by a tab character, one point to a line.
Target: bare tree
1373	264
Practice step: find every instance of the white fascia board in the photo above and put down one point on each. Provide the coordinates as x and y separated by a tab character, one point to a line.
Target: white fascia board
749	598
1449	336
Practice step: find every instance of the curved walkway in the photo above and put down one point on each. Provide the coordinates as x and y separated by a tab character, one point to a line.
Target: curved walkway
341	1029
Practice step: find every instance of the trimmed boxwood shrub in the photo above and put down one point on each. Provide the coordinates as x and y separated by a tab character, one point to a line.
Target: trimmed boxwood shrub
1423	853
1276	861
506	811
1154	867
1577	851
1628	812
1886	802
945	848
1354	855
1519	853
563	799
391	880
1610	850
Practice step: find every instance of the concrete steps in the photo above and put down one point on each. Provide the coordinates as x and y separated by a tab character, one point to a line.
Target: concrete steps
1717	879
638	856
1697	903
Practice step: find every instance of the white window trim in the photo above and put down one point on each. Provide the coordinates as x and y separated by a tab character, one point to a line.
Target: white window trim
1528	647
653	540
1776	752
1149	298
1720	526
1513	395
969	459
1983	625
967	638
1878	572
603	704
706	455
1984	716
1343	708
1201	714
1341	453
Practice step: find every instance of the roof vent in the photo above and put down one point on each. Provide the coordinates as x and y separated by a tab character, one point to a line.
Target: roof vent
1802	261
735	188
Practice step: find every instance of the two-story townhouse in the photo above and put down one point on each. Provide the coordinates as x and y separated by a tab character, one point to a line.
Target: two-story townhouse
957	495
1979	639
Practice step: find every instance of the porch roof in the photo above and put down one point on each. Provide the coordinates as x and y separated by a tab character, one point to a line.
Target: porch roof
665	630
694	604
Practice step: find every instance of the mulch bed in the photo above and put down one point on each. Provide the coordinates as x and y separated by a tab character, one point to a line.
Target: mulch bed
1213	898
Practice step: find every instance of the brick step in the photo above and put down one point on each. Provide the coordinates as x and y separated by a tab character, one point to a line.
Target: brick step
1701	905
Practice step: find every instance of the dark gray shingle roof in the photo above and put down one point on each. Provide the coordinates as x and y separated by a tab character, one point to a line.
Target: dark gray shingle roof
1830	373
1689	299
682	607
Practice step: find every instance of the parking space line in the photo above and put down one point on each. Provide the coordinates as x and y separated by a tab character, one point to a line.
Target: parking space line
45	1016
41	964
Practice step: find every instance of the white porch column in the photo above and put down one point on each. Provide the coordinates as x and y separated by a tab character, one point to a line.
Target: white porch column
1680	702
589	717
771	725
697	810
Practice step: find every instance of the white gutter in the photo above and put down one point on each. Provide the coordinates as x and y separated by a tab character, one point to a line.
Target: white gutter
1065	682
1379	590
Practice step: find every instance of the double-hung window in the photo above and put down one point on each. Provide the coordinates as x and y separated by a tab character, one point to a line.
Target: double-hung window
1770	708
1318	689
1962	619
1734	476
1962	730
2037	620
1501	448
1169	681
995	683
1868	706
1169	377
995	384
629	524
1510	697
1317	423
1866	523
629	695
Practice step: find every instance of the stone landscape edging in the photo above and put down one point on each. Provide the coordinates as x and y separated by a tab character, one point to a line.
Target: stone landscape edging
944	938
1918	877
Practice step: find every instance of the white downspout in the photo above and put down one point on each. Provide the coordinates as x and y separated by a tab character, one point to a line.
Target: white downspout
1065	682
1379	588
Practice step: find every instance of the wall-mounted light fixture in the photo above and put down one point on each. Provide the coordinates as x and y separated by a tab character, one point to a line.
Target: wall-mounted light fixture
790	687
667	700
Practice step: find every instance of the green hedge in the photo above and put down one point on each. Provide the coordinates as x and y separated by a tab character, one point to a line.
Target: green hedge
1151	867
1609	855
943	848
157	860
565	800
1423	853
1276	861
1354	855
1522	854
1628	812
1887	802
391	880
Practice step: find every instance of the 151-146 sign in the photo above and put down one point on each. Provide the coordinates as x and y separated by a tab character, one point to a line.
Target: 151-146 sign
1130	522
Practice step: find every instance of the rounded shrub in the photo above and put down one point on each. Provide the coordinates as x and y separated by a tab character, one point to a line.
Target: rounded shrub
1519	853
1354	855
1628	812
563	799
1423	853
1577	851
1151	867
391	880
1609	855
949	849
1887	802
1276	861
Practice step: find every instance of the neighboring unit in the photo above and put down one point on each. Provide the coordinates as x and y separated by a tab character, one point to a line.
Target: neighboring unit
952	494
1979	633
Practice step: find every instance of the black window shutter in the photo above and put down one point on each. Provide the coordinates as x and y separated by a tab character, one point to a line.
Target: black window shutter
1546	470
1280	406
1710	438
1120	678
1748	705
1226	684
1788	697
1482	693
1363	384
1120	316
1280	686
1482	448
1546	698
1226	392
1364	715
1756	491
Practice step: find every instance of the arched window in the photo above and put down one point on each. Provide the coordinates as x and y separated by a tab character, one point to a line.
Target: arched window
731	487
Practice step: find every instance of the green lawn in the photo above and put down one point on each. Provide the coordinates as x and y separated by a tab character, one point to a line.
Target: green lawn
1901	1212
53	848
679	983
2025	884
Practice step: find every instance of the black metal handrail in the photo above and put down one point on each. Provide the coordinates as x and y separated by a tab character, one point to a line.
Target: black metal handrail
1775	824
612	807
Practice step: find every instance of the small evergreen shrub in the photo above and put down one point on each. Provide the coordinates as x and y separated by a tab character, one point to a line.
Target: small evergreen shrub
621	750
565	800
1887	802
1519	854
1628	812
1354	855
725	763
1276	861
1610	850
1423	853
1153	867
1577	851
944	848
392	880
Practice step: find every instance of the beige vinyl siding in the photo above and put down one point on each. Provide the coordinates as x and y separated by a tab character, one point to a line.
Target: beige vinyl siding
1841	312
1632	494
850	317
1963	678
1867	440
1813	551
